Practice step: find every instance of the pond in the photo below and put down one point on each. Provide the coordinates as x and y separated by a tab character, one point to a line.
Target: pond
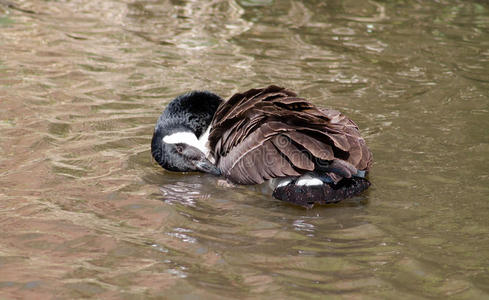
86	212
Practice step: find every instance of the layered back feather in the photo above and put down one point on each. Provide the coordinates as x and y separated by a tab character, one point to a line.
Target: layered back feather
268	133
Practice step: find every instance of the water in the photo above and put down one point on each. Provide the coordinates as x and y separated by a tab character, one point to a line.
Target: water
85	212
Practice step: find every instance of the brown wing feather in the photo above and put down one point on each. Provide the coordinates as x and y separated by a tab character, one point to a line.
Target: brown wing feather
298	158
255	159
267	133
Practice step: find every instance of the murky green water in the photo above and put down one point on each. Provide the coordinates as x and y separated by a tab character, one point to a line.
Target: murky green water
85	212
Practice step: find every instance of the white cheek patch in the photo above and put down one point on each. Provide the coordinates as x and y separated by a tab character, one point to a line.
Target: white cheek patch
204	138
308	180
188	138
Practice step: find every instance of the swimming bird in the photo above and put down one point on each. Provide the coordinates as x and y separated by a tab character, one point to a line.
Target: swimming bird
308	154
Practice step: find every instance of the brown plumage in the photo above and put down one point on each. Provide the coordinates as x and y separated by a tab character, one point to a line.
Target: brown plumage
268	133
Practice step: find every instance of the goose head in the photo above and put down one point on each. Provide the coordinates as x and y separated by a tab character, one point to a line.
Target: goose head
183	157
180	138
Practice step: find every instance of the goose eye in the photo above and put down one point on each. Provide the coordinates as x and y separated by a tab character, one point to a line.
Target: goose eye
179	148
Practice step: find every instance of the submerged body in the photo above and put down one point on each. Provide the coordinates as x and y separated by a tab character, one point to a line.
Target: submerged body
313	155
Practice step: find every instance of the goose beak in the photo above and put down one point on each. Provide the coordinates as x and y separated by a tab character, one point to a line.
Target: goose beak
204	165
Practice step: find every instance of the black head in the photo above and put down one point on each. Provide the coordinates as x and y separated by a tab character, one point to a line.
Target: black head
181	157
190	114
193	110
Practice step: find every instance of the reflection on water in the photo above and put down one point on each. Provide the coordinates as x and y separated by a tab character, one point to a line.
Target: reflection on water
85	212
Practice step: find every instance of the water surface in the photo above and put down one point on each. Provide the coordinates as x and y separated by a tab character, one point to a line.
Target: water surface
86	212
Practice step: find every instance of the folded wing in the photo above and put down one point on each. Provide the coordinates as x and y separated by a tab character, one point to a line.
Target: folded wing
267	133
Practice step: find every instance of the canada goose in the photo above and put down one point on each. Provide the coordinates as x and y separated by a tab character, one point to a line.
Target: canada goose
311	155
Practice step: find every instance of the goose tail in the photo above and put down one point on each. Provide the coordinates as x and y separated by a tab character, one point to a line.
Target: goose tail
309	195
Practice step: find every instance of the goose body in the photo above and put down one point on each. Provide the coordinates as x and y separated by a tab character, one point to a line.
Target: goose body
311	155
